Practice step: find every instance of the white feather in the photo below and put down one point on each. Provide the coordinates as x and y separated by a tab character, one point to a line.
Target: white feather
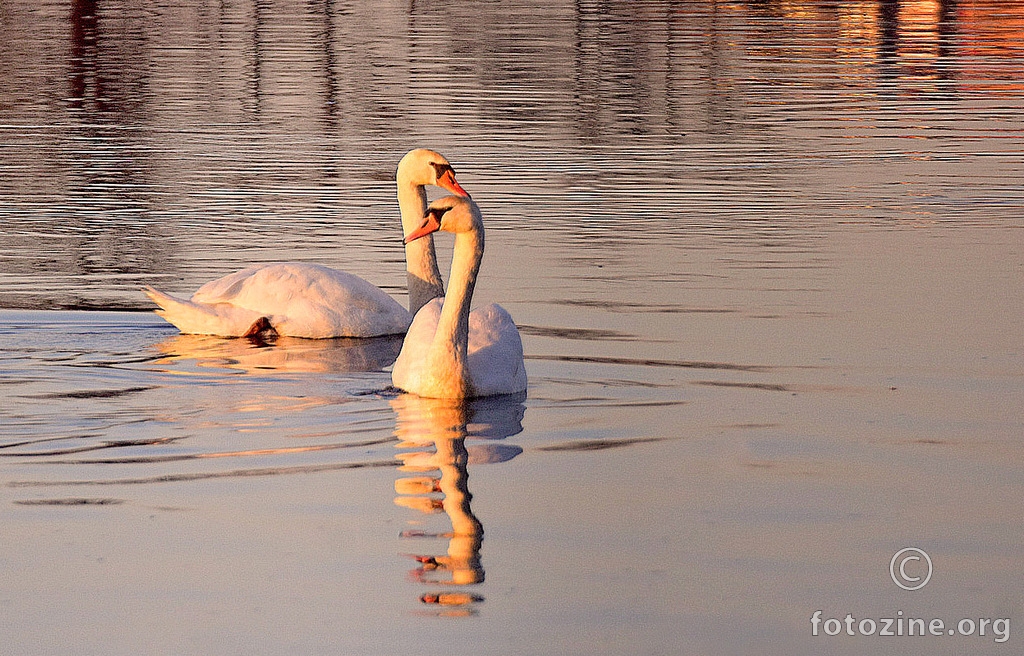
299	300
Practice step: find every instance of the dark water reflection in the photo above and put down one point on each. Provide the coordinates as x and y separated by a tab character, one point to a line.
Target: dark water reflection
167	144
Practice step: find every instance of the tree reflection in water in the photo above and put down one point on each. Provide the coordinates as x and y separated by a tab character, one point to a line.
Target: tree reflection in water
432	436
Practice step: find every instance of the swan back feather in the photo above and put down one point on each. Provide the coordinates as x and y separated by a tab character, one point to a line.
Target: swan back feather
299	300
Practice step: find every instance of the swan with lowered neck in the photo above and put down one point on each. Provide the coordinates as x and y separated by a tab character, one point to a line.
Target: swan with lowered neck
449	351
314	301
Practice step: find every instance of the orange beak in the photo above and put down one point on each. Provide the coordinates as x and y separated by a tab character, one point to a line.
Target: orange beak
447	181
431	224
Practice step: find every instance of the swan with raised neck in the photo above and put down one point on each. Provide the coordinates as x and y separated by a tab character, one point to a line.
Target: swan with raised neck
451	351
308	300
421	167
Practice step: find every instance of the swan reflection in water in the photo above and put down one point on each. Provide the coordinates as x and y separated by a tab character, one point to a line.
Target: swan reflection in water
432	439
432	435
283	354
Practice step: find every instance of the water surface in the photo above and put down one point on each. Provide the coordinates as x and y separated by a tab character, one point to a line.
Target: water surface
766	259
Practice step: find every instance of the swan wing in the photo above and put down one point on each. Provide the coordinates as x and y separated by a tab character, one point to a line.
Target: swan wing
496	363
411	363
227	288
308	300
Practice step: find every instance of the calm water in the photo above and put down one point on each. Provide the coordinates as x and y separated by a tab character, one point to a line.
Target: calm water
767	260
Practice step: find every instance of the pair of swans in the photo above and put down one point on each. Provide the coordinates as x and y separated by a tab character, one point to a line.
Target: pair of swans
448	352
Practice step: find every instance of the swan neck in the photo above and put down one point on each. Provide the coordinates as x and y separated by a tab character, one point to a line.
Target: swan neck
451	341
454	485
423	276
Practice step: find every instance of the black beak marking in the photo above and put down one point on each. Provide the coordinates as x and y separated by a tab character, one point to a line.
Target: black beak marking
437	213
441	169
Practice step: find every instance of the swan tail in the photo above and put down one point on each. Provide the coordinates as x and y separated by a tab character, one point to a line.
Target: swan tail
204	319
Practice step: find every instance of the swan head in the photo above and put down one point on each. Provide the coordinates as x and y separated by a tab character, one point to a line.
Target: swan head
451	214
422	167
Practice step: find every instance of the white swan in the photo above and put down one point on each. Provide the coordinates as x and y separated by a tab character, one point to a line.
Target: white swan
309	300
450	352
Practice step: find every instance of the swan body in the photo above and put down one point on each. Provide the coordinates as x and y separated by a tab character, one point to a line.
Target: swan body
313	301
450	351
298	300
